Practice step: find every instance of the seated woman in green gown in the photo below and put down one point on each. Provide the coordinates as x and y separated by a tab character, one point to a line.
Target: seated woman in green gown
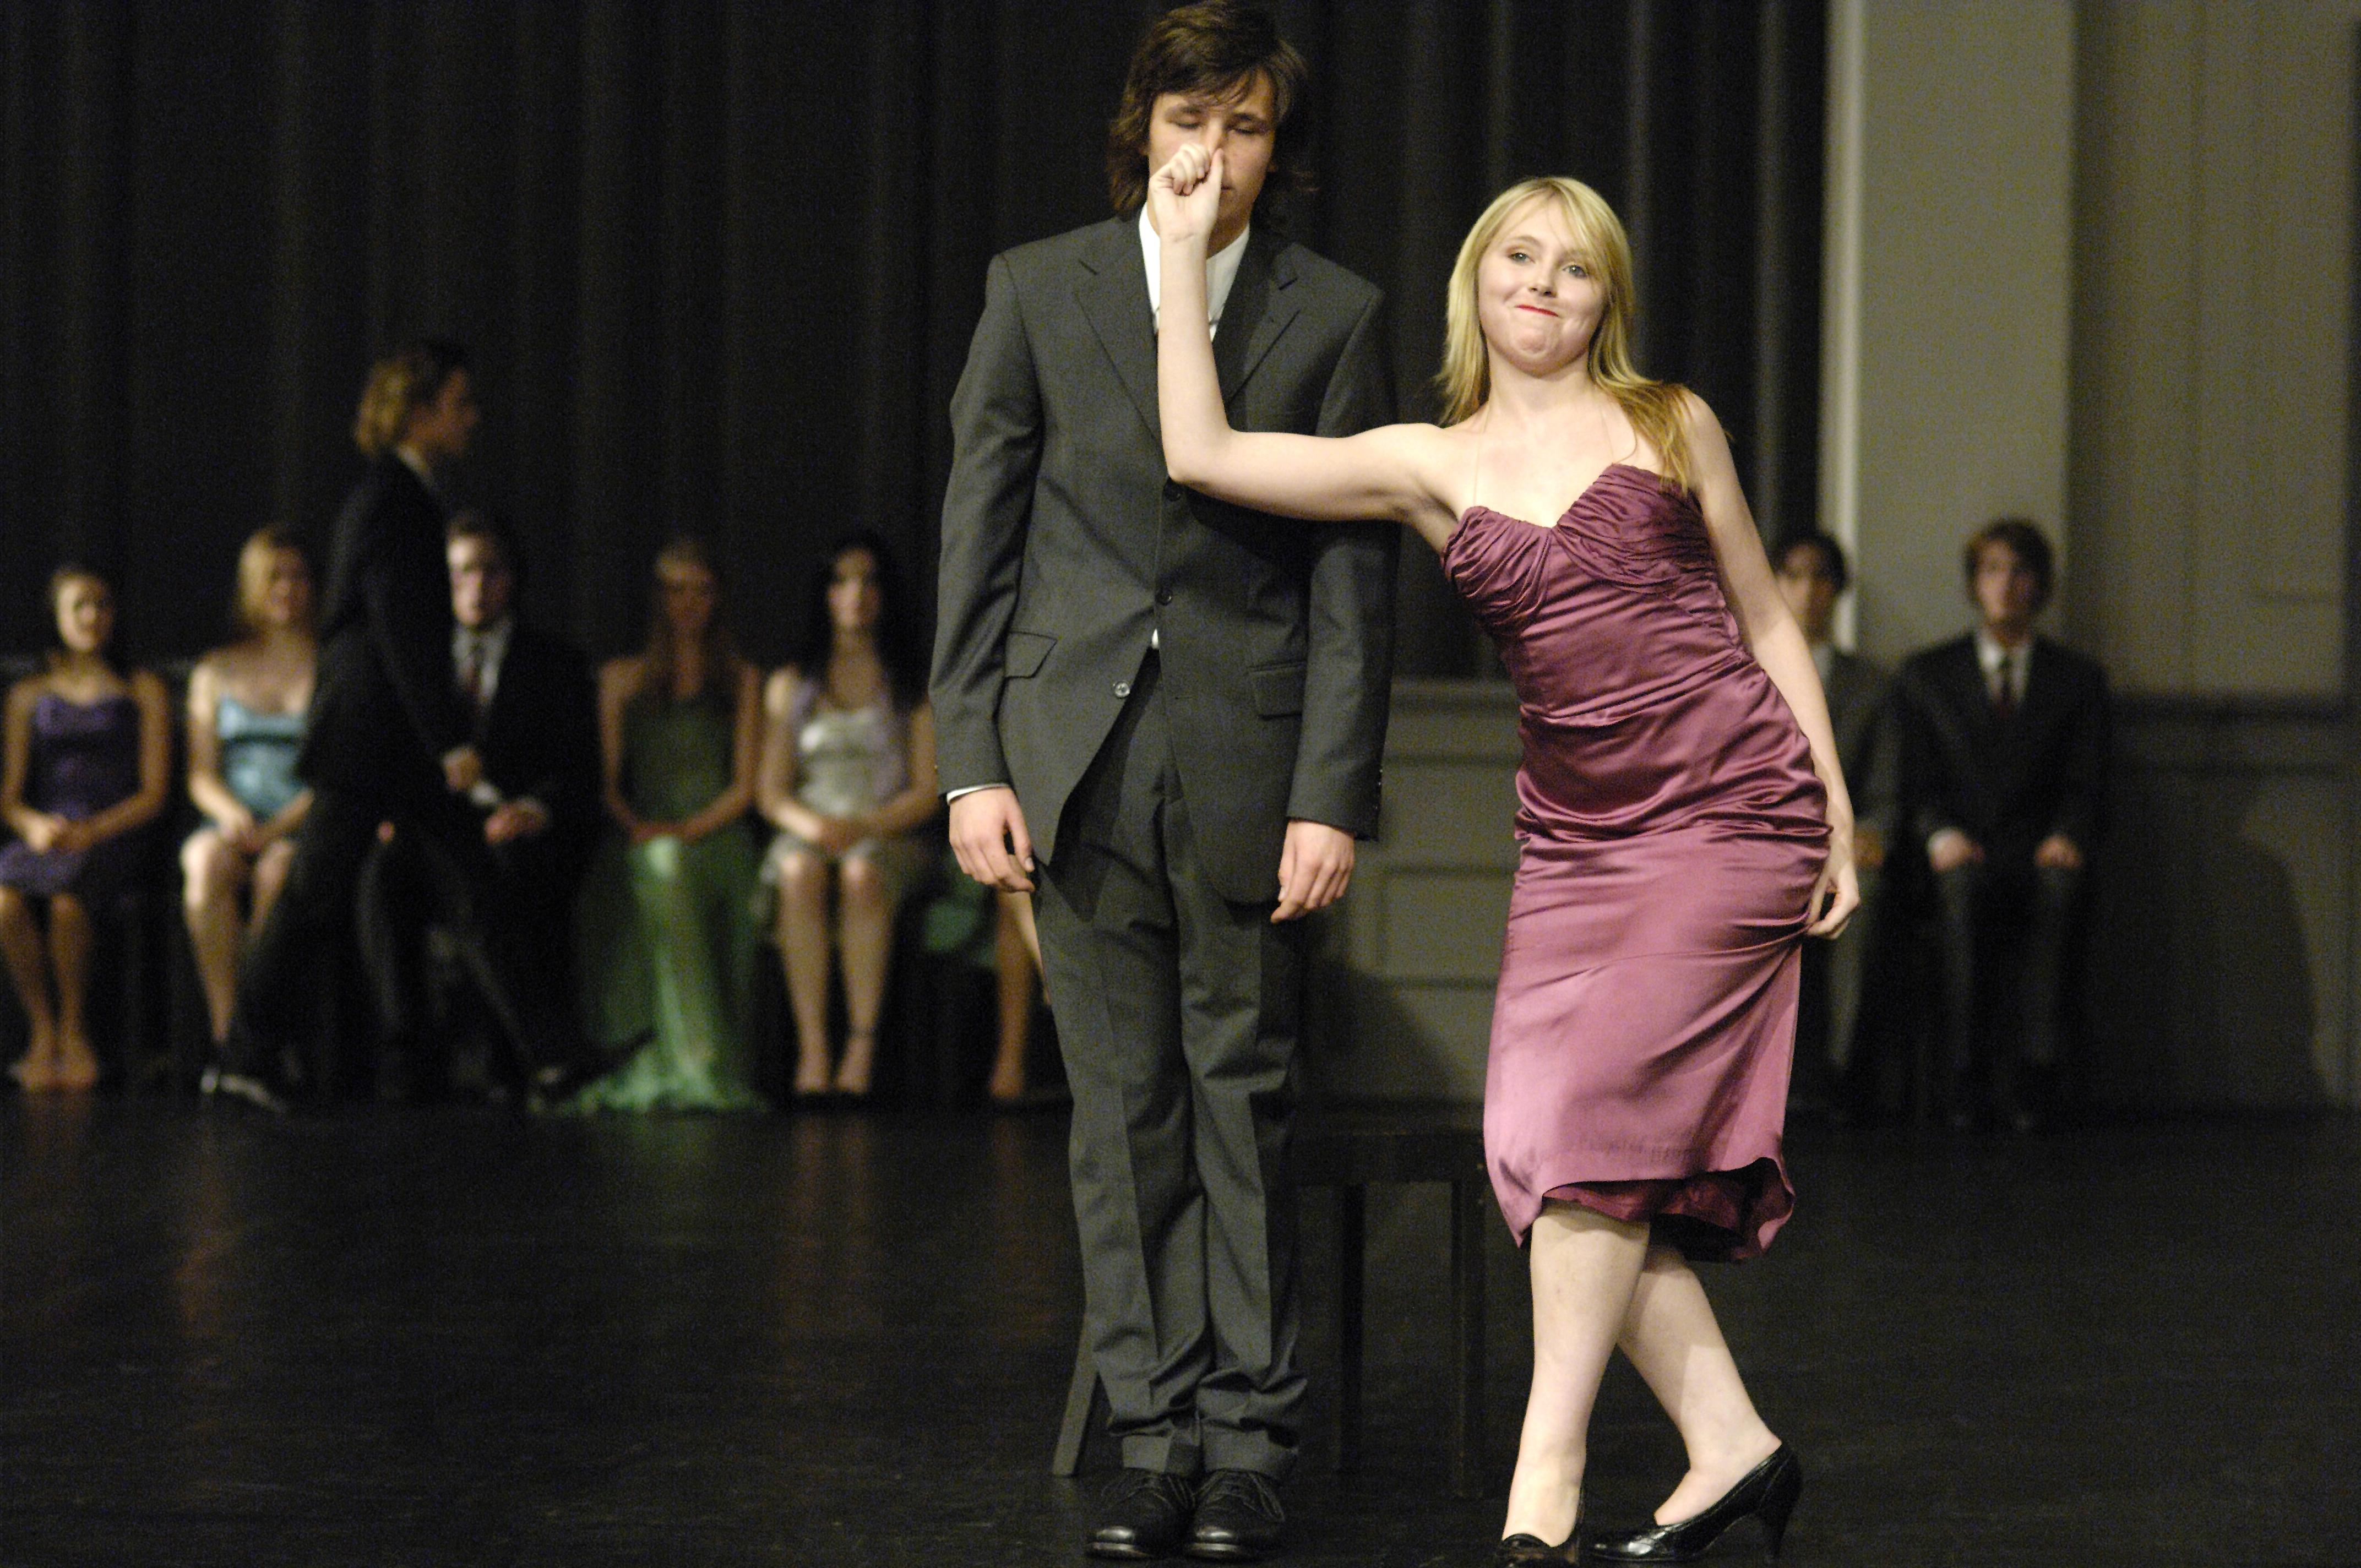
667	922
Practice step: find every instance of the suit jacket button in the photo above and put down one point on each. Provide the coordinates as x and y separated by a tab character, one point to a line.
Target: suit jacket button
1122	688
1164	596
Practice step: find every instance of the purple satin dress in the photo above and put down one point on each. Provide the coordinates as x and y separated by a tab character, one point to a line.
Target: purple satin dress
1671	828
84	757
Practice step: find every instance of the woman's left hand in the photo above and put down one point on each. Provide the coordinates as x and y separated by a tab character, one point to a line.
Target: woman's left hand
1838	892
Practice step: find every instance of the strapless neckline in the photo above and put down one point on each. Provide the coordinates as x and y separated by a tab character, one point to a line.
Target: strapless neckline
1572	506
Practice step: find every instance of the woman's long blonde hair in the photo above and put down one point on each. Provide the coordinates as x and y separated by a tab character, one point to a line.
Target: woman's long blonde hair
1655	409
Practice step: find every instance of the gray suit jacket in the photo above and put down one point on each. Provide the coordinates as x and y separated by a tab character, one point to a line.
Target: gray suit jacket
1064	545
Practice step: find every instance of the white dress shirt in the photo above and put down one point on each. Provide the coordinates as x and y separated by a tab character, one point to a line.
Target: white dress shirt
1221	271
2010	664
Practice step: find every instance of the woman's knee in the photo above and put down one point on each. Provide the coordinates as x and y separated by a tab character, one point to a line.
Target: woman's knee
210	869
803	876
864	885
16	909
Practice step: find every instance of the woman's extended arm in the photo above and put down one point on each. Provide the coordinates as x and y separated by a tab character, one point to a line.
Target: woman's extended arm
1778	645
1388	472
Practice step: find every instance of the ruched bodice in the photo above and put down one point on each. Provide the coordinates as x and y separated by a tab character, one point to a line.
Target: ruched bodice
1671	828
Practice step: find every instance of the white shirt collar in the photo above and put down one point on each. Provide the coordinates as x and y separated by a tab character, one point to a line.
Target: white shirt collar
1221	271
1990	656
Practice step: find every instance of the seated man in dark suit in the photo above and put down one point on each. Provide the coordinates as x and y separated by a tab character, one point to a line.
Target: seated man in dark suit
532	719
1813	576
2005	761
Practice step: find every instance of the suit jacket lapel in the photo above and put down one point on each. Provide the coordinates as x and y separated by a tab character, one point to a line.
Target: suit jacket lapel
1112	294
1256	313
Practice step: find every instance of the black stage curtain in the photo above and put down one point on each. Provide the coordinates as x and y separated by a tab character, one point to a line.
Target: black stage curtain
719	262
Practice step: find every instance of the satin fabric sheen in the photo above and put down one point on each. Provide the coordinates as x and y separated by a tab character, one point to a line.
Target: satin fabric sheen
1671	828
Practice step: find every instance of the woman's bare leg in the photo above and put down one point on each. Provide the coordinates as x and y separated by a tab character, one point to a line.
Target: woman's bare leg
28	971
210	874
865	938
1671	1337
1014	965
270	869
1584	1267
803	950
69	944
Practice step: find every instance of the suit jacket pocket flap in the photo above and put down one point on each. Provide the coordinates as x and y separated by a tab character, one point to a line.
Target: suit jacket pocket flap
1021	655
1278	689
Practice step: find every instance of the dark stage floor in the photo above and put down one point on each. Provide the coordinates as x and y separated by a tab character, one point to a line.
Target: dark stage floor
451	1337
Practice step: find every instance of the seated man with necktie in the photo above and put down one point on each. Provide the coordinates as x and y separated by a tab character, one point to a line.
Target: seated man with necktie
2005	761
532	719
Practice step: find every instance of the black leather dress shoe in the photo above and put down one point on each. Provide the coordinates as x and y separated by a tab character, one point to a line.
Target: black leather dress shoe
1238	1518
1144	1515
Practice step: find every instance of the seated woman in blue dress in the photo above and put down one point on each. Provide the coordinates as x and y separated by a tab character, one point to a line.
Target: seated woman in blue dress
246	705
88	754
847	770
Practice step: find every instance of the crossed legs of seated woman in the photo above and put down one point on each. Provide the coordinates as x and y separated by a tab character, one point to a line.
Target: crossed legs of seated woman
1599	1283
864	932
59	1056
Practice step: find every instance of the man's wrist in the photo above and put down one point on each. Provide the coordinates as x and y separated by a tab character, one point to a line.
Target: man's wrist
953	794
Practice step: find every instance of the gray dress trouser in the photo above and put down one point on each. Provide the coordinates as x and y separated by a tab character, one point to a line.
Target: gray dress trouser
1177	1012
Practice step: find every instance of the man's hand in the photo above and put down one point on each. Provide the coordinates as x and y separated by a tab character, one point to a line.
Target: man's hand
462	766
515	819
1949	848
1314	869
987	829
2057	853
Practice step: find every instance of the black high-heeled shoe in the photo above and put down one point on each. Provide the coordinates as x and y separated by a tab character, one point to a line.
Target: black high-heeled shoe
1768	1492
1532	1551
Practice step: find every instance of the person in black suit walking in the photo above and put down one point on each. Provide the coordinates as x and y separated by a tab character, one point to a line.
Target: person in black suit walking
389	741
2005	765
532	717
1162	716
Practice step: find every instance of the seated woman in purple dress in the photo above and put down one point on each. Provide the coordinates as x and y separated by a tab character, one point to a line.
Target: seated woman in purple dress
246	705
87	757
1681	816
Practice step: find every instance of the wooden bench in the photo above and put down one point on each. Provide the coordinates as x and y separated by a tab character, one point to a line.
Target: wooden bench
1343	1151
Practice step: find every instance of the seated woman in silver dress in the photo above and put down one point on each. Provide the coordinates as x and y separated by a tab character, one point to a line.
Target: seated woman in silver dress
246	705
847	770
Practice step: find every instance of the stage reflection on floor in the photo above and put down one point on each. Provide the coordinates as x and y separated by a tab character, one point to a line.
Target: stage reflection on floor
454	1337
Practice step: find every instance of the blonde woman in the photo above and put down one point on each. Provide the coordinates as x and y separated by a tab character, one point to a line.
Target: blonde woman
666	921
246	717
88	750
1682	819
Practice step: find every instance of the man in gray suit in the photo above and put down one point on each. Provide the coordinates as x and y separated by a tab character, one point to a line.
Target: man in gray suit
1813	575
1168	714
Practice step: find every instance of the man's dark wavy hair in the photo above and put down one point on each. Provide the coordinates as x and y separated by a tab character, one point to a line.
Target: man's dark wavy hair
2021	537
1214	48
